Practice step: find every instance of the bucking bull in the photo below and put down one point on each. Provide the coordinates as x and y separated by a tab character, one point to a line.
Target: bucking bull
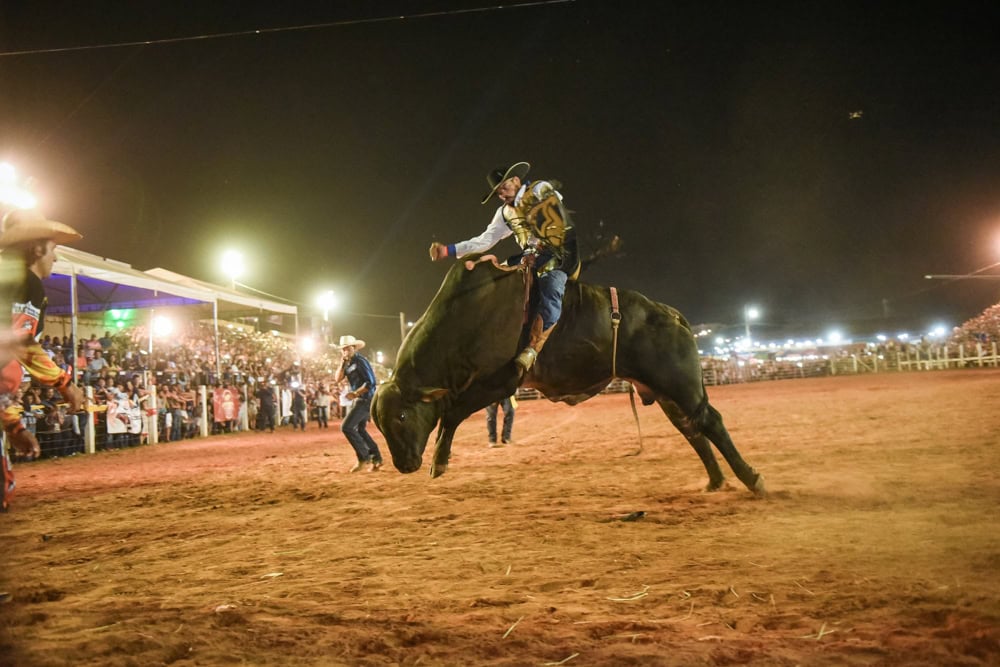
458	358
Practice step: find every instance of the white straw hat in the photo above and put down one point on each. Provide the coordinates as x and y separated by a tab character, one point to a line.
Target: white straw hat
351	341
26	225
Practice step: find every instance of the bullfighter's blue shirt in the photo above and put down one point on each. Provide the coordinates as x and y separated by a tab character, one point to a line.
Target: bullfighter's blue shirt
359	373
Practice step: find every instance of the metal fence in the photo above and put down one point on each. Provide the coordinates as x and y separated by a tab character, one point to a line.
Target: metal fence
856	360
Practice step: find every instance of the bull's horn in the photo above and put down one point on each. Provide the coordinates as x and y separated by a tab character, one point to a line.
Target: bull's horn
431	394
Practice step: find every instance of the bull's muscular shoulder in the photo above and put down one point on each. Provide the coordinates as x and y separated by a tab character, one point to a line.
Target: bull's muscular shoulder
472	326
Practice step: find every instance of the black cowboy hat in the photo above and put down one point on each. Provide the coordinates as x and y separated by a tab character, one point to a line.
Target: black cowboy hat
501	174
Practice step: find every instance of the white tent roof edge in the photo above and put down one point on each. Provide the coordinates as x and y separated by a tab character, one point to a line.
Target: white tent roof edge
223	293
70	261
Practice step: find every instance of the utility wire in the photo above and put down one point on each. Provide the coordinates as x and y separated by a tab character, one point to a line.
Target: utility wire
965	276
305	305
267	31
270	296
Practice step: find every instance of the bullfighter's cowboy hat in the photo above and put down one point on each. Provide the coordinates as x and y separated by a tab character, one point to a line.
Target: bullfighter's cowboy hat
351	341
501	174
27	225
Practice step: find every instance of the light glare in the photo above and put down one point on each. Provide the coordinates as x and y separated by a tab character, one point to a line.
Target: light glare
232	264
162	326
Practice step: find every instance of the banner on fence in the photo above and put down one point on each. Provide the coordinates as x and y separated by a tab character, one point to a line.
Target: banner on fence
225	404
123	417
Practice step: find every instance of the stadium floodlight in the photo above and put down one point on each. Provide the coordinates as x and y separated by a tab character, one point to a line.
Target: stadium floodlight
233	265
12	193
749	313
327	301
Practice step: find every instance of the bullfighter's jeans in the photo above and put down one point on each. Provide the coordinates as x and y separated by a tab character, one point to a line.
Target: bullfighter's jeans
354	430
508	420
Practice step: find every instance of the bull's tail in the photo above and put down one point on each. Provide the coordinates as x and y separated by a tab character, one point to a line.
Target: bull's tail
610	248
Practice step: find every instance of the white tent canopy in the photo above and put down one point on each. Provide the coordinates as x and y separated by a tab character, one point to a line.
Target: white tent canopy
121	286
223	293
83	282
147	291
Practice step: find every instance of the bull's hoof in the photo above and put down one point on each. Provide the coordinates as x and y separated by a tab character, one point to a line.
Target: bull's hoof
438	470
758	487
715	485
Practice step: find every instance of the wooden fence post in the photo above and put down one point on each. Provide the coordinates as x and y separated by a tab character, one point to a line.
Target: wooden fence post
89	430
245	406
203	402
154	419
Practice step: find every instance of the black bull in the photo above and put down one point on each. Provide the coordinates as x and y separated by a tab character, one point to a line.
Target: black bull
458	359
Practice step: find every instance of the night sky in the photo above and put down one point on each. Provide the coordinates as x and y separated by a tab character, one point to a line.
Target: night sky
813	159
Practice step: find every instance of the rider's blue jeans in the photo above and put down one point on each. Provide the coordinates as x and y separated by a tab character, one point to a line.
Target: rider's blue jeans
551	287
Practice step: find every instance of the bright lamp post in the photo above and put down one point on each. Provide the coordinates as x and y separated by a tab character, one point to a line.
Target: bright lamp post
749	313
233	265
327	301
12	193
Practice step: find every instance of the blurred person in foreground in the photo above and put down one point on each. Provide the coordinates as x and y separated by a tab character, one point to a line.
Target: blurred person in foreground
27	254
361	379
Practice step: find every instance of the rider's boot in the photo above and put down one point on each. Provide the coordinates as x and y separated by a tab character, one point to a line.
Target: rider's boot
536	341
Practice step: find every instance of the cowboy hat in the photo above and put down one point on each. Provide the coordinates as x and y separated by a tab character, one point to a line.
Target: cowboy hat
351	341
26	225
501	174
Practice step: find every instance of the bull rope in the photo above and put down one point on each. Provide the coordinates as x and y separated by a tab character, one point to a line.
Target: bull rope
616	320
528	262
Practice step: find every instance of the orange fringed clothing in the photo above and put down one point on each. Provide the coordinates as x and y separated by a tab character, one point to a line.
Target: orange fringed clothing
27	318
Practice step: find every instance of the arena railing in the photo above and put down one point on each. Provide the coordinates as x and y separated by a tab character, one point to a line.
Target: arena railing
837	361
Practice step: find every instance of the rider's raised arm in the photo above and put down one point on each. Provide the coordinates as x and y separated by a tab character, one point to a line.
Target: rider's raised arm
495	232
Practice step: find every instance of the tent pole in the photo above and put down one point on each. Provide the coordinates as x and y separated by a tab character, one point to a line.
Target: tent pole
218	359
74	307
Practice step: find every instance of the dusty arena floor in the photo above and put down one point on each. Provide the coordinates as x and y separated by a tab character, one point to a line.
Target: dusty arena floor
877	545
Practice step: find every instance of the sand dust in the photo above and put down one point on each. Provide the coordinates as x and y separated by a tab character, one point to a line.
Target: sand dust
878	543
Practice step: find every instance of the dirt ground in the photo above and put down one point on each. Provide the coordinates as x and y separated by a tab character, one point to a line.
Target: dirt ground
877	544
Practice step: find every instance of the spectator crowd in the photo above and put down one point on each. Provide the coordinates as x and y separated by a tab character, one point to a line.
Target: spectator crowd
277	385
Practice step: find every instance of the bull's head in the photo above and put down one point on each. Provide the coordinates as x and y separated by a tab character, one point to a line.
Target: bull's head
406	422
